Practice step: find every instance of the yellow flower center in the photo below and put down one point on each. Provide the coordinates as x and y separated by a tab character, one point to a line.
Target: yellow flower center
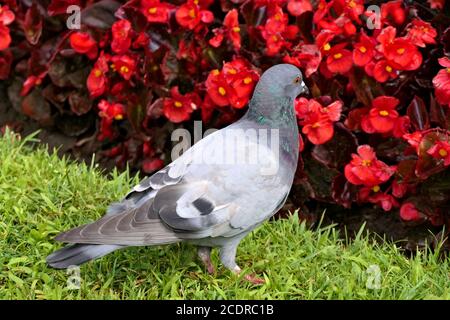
448	70
178	104
376	189
248	80
275	38
97	73
113	67
388	68
124	69
278	17
152	10
192	13
316	125
366	163
352	4
38	82
363	49
338	55
443	153
222	91
215	72
327	46
118	117
232	71
401	50
384	113
236	29
195	1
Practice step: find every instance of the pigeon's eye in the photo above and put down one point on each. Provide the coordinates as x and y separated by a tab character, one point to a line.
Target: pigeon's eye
297	80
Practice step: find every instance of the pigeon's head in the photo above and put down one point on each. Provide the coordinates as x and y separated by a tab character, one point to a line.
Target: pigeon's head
282	80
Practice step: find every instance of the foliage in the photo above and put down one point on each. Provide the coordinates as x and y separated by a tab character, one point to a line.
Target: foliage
42	195
375	130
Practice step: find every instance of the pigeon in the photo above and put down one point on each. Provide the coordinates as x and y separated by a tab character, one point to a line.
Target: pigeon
215	193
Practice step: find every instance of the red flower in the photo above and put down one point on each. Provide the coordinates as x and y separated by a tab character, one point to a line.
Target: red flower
6	15
316	120
382	116
375	196
384	70
409	212
318	128
401	126
436	4
121	36
231	29
220	92
151	165
155	11
5	38
393	11
323	40
297	7
403	54
142	40
97	80
364	50
111	111
339	60
365	169
441	82
31	82
233	85
386	37
399	188
322	10
190	16
354	8
276	30
441	151
179	107
414	139
231	22
124	65
83	43
307	56
421	33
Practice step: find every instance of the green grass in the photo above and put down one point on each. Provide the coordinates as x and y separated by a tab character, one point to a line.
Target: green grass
41	195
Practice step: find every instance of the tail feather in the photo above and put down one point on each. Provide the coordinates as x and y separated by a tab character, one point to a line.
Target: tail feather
77	254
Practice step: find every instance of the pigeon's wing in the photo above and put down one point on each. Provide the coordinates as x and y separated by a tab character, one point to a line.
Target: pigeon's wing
204	193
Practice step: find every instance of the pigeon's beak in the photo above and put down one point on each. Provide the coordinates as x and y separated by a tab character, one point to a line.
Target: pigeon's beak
305	90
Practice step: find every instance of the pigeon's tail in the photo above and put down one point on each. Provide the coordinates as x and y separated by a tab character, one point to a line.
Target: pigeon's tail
76	254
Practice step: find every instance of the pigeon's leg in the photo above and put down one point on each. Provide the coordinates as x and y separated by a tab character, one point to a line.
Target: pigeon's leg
228	258
204	253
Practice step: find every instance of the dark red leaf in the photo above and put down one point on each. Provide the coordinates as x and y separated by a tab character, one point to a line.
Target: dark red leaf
418	114
336	153
427	165
35	107
100	14
80	103
32	24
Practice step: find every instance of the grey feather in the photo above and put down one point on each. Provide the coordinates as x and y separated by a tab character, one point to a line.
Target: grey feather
208	203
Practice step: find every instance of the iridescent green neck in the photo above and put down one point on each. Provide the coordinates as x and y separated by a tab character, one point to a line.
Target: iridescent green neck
275	112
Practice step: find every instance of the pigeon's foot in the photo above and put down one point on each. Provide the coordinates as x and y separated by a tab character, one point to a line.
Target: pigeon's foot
252	278
204	253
